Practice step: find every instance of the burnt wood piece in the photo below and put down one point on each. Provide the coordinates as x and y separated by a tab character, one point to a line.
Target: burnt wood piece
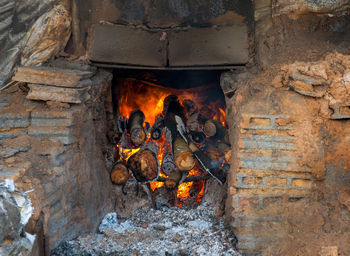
214	154
172	104
119	174
215	129
191	115
143	165
148	190
188	179
168	163
226	150
209	165
197	137
173	179
135	128
53	76
157	128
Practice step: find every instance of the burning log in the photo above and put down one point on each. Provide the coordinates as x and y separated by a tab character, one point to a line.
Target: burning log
214	128
198	137
144	163
119	174
168	163
173	180
226	150
135	128
157	128
183	156
209	165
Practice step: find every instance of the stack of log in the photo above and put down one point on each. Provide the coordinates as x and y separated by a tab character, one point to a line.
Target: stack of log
185	135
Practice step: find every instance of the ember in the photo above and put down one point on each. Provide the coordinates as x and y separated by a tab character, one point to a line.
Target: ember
168	136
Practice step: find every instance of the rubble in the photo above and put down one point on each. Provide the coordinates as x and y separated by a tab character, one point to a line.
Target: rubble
15	211
167	231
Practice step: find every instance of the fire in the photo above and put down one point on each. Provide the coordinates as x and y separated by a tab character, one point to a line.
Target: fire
147	97
184	189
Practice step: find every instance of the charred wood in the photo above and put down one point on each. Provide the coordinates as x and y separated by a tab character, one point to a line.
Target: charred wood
135	128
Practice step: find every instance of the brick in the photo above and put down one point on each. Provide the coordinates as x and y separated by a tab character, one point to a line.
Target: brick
275	182
301	183
329	251
14	120
259	122
252	181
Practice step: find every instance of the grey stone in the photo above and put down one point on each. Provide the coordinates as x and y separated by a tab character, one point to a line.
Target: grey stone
64	135
52	118
14	120
8	152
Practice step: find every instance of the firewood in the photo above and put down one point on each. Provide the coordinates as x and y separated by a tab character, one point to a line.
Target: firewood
173	180
144	165
198	137
214	128
168	163
119	174
226	150
190	107
157	128
135	128
208	165
183	156
214	153
171	104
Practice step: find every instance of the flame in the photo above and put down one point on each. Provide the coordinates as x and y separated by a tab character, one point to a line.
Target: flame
148	97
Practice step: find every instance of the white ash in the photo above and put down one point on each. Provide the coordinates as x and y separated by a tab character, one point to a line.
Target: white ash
167	231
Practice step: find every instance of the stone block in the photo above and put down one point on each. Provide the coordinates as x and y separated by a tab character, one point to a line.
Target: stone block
250	181
209	46
14	120
52	93
127	45
259	122
63	135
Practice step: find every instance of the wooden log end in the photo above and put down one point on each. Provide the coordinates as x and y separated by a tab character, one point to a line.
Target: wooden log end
185	161
119	174
138	137
209	128
144	165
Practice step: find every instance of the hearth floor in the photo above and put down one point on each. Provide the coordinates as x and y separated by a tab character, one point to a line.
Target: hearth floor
167	231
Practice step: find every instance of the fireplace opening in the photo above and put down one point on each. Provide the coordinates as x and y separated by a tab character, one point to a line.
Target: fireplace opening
171	134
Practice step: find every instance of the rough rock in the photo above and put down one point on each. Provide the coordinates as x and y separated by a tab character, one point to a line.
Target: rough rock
15	211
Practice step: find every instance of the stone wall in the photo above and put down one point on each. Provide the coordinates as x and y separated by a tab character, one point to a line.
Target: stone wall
289	181
58	152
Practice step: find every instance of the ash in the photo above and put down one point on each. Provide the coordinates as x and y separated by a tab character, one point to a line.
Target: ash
167	231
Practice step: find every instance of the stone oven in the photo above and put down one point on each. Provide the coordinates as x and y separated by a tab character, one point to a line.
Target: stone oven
275	75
